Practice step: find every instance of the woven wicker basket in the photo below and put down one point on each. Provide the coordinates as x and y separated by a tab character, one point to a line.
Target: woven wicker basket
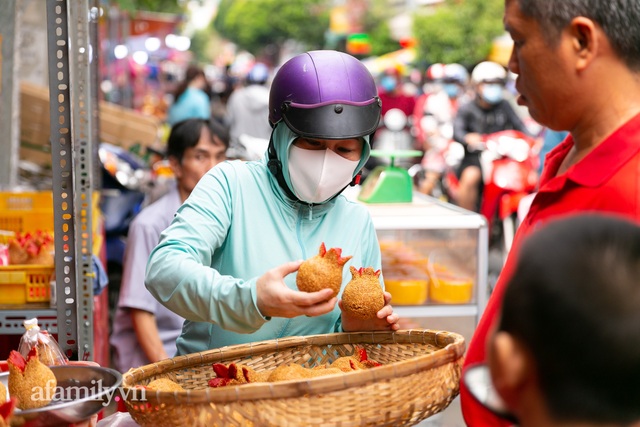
419	377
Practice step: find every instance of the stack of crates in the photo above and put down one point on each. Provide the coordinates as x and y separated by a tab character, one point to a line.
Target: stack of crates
25	212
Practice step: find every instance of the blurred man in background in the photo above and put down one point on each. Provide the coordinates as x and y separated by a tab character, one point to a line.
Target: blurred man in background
144	331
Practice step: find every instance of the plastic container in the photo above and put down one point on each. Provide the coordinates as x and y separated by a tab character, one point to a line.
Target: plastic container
26	211
21	284
407	291
450	282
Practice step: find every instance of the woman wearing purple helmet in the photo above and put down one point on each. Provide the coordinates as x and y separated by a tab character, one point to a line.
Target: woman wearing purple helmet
225	263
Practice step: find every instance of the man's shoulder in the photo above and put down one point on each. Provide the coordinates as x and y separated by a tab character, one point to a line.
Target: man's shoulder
159	211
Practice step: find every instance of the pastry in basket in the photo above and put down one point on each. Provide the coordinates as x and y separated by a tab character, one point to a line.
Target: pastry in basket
322	271
164	384
359	360
363	296
252	376
234	374
6	410
28	248
3	394
297	372
30	381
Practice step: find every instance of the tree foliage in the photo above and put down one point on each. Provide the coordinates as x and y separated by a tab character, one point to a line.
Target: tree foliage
256	24
166	6
377	27
459	31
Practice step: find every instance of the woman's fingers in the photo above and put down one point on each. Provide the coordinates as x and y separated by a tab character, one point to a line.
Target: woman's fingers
321	308
285	269
385	311
308	299
387	297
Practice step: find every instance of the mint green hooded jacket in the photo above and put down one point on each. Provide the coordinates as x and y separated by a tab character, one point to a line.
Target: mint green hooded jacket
235	226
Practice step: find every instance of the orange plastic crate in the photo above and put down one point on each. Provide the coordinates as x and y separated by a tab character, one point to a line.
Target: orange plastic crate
21	284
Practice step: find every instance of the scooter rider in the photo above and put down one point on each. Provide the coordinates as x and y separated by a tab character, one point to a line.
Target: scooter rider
444	91
488	113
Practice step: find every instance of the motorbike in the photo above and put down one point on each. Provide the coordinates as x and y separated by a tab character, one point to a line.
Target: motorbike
441	153
509	164
509	161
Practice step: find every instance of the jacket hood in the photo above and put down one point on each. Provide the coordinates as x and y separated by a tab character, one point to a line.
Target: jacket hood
283	137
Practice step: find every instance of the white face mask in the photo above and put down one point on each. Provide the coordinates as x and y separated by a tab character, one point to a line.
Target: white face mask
318	175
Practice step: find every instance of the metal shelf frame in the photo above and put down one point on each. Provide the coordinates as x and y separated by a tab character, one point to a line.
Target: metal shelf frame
73	116
72	57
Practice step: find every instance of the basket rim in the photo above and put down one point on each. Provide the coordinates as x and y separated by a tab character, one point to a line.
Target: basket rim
452	347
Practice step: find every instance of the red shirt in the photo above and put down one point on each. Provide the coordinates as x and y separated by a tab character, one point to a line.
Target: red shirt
405	103
606	180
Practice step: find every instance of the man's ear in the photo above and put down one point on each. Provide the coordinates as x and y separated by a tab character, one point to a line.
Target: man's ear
175	166
585	40
509	365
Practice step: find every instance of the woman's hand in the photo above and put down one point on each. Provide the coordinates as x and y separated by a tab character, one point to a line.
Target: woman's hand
385	320
275	299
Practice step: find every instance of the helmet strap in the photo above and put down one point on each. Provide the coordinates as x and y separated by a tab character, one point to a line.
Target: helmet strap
356	179
275	167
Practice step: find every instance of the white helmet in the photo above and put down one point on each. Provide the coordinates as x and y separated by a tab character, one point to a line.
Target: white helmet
488	71
456	73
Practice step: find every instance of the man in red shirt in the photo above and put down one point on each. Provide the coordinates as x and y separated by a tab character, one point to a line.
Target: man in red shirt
578	69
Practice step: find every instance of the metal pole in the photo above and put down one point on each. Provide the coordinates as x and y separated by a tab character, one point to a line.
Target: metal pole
71	164
80	53
9	95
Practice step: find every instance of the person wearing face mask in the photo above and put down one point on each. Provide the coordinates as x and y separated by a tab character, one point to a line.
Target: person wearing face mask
392	93
228	261
444	90
487	113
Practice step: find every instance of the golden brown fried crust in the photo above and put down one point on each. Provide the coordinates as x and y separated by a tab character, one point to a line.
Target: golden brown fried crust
249	375
245	374
3	394
347	364
47	355
363	296
164	384
322	271
297	372
35	387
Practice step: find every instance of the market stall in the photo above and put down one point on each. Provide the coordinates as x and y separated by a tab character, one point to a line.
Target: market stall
68	208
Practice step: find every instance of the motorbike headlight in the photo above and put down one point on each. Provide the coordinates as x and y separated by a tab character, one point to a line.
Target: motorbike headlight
395	120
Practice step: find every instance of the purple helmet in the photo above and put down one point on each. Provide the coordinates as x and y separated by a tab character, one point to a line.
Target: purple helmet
325	94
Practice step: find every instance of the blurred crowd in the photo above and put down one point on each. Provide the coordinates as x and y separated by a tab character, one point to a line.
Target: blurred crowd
430	100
